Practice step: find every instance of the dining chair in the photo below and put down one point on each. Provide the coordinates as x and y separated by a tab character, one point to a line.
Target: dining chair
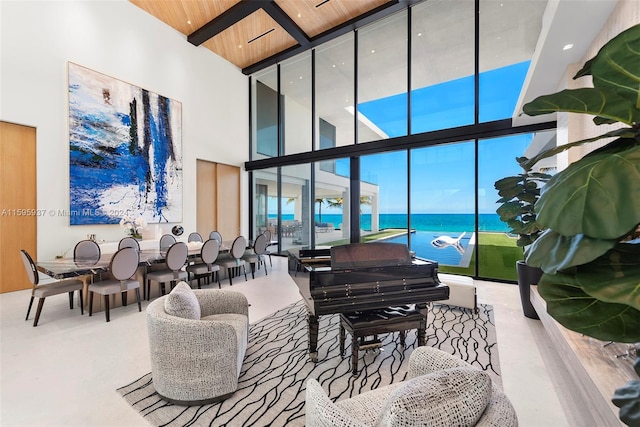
206	269
46	290
129	242
175	259
269	243
86	250
255	256
195	237
235	261
123	266
216	235
166	241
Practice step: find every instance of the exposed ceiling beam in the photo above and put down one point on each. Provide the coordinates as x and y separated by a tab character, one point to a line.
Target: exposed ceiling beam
286	22
229	17
362	20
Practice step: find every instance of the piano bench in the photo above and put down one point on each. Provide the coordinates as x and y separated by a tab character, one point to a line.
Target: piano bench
462	291
361	324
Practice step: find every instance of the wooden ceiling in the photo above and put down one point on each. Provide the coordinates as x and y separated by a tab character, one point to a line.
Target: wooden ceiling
253	34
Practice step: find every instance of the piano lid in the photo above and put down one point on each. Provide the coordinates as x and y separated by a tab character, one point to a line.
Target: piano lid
373	254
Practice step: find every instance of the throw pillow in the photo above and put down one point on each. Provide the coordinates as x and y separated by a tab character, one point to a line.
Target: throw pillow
182	302
455	396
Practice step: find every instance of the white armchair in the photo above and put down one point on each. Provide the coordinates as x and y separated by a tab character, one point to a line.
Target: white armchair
197	340
441	390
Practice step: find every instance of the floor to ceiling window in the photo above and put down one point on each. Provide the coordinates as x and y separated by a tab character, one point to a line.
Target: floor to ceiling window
428	181
332	216
442	65
264	107
508	34
383	197
296	207
382	79
295	86
265	208
442	204
334	76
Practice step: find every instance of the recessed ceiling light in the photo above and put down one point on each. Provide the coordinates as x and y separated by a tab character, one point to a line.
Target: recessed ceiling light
373	51
567	46
333	66
419	34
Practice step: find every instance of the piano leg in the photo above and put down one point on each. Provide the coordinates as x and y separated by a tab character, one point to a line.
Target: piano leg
422	330
312	321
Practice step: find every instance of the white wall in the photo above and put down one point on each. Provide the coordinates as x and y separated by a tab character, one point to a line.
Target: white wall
39	38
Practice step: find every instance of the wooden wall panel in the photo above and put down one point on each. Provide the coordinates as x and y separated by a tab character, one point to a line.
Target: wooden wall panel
206	218
228	201
18	203
218	199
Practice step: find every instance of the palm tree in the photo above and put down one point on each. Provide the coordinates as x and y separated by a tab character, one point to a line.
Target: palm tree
320	202
337	202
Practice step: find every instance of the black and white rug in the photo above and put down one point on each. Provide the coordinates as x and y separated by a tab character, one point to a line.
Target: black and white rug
271	389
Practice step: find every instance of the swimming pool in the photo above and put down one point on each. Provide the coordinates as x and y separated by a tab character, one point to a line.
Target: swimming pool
453	249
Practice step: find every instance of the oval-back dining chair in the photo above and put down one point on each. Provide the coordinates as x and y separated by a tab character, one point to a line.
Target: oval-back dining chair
235	261
166	241
86	250
207	269
175	259
269	243
255	256
46	290
129	242
194	237
123	266
216	235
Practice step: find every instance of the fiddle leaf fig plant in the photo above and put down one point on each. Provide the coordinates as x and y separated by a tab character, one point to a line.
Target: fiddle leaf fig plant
590	251
519	194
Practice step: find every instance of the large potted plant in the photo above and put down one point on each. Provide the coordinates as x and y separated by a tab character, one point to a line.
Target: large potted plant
519	194
590	251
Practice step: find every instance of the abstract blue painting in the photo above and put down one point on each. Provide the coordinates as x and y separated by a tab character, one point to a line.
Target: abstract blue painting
125	151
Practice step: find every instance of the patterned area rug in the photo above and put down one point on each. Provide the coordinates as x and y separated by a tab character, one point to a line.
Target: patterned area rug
271	390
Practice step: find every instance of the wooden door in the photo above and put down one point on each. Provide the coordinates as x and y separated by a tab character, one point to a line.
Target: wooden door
206	195
228	201
218	199
18	203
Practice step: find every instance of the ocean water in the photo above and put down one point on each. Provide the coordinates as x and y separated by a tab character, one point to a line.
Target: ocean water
427	230
451	223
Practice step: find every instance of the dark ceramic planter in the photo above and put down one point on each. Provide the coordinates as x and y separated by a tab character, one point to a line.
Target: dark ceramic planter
527	276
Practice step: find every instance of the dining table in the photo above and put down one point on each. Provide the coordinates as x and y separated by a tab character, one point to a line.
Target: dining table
64	268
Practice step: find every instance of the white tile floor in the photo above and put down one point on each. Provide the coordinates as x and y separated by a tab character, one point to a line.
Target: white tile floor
65	371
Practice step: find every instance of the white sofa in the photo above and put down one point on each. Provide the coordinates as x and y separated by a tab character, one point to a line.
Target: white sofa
440	390
462	291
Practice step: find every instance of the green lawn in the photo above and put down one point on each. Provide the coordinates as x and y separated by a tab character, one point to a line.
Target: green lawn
498	254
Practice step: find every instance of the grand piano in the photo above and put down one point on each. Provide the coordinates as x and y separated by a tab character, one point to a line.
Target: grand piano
362	277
